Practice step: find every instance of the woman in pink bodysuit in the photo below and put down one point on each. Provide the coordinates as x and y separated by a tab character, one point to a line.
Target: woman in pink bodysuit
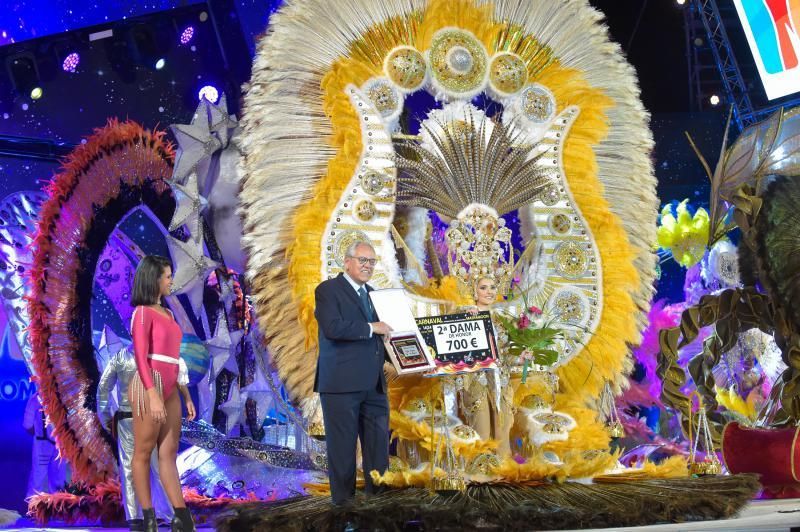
153	391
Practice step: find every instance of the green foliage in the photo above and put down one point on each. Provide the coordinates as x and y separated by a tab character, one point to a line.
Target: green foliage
539	341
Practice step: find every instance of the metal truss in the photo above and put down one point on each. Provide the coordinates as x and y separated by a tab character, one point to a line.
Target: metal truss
734	83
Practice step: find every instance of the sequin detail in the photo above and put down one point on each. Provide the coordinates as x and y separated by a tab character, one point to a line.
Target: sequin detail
139	392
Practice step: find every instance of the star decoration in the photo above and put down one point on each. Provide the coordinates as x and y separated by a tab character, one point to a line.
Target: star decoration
196	143
227	293
260	391
206	392
232	408
222	347
192	267
221	122
109	345
189	205
222	186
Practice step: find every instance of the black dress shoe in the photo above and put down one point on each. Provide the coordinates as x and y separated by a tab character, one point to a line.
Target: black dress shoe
182	521
136	525
150	523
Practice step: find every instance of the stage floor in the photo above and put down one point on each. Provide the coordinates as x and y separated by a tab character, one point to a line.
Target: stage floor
777	516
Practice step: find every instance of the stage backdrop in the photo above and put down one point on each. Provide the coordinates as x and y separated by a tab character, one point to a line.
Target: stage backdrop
111	78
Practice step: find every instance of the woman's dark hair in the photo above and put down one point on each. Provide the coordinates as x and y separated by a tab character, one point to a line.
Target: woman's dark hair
145	282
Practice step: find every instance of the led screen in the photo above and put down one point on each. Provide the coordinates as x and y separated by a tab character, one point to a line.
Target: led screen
771	27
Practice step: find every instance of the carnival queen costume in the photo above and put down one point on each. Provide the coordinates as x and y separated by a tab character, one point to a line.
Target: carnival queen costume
559	144
474	170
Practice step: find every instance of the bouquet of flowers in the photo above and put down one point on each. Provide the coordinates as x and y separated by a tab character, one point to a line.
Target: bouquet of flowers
531	338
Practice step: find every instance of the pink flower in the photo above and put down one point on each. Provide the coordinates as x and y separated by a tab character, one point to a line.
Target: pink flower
536	311
525	355
523	322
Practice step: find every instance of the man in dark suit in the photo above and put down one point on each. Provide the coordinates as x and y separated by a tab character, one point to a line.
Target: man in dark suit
350	378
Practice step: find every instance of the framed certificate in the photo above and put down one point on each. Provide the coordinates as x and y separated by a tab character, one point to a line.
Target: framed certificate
408	353
462	343
406	346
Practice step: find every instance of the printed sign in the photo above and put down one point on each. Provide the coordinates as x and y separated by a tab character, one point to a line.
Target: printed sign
460	343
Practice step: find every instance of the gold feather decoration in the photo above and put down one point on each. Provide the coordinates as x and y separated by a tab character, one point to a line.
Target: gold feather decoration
302	145
469	165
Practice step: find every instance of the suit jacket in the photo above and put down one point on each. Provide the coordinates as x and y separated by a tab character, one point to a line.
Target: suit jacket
349	359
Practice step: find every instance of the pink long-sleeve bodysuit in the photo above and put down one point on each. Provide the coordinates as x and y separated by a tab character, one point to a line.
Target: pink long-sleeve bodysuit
155	334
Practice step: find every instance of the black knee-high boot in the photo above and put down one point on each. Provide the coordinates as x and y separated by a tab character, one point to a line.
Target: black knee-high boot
182	521
150	523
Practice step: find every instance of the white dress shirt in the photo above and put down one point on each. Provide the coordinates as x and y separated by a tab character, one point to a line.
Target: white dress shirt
357	286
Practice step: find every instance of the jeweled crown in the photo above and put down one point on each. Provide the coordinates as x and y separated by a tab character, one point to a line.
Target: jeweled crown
479	243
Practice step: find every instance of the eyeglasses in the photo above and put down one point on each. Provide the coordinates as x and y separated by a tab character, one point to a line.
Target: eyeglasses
364	260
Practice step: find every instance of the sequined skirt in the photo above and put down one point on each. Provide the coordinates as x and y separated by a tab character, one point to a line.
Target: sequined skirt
138	398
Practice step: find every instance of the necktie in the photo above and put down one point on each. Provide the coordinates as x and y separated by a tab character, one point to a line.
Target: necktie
362	293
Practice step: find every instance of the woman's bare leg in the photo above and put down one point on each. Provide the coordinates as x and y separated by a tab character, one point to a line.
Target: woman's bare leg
168	439
145	437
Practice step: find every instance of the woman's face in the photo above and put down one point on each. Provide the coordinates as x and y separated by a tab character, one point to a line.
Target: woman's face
485	293
165	282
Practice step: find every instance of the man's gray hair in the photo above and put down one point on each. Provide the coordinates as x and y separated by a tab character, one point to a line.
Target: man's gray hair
351	249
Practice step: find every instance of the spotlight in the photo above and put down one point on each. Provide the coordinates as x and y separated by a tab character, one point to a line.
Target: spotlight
23	72
36	93
714	100
187	35
681	2
148	46
119	57
209	92
71	62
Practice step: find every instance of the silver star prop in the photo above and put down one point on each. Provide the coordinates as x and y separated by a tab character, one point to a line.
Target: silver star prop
222	347
189	205
196	143
108	346
222	196
260	391
221	122
227	293
232	408
192	267
207	392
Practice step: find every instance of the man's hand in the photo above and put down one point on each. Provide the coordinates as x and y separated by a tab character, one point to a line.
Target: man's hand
379	327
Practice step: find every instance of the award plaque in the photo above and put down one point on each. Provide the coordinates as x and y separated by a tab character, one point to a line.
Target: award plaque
408	353
461	343
405	345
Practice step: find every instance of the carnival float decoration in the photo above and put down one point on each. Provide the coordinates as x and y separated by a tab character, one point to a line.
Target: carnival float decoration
464	140
80	252
746	372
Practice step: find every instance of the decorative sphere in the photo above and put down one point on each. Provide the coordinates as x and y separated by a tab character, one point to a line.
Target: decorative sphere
460	60
196	357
